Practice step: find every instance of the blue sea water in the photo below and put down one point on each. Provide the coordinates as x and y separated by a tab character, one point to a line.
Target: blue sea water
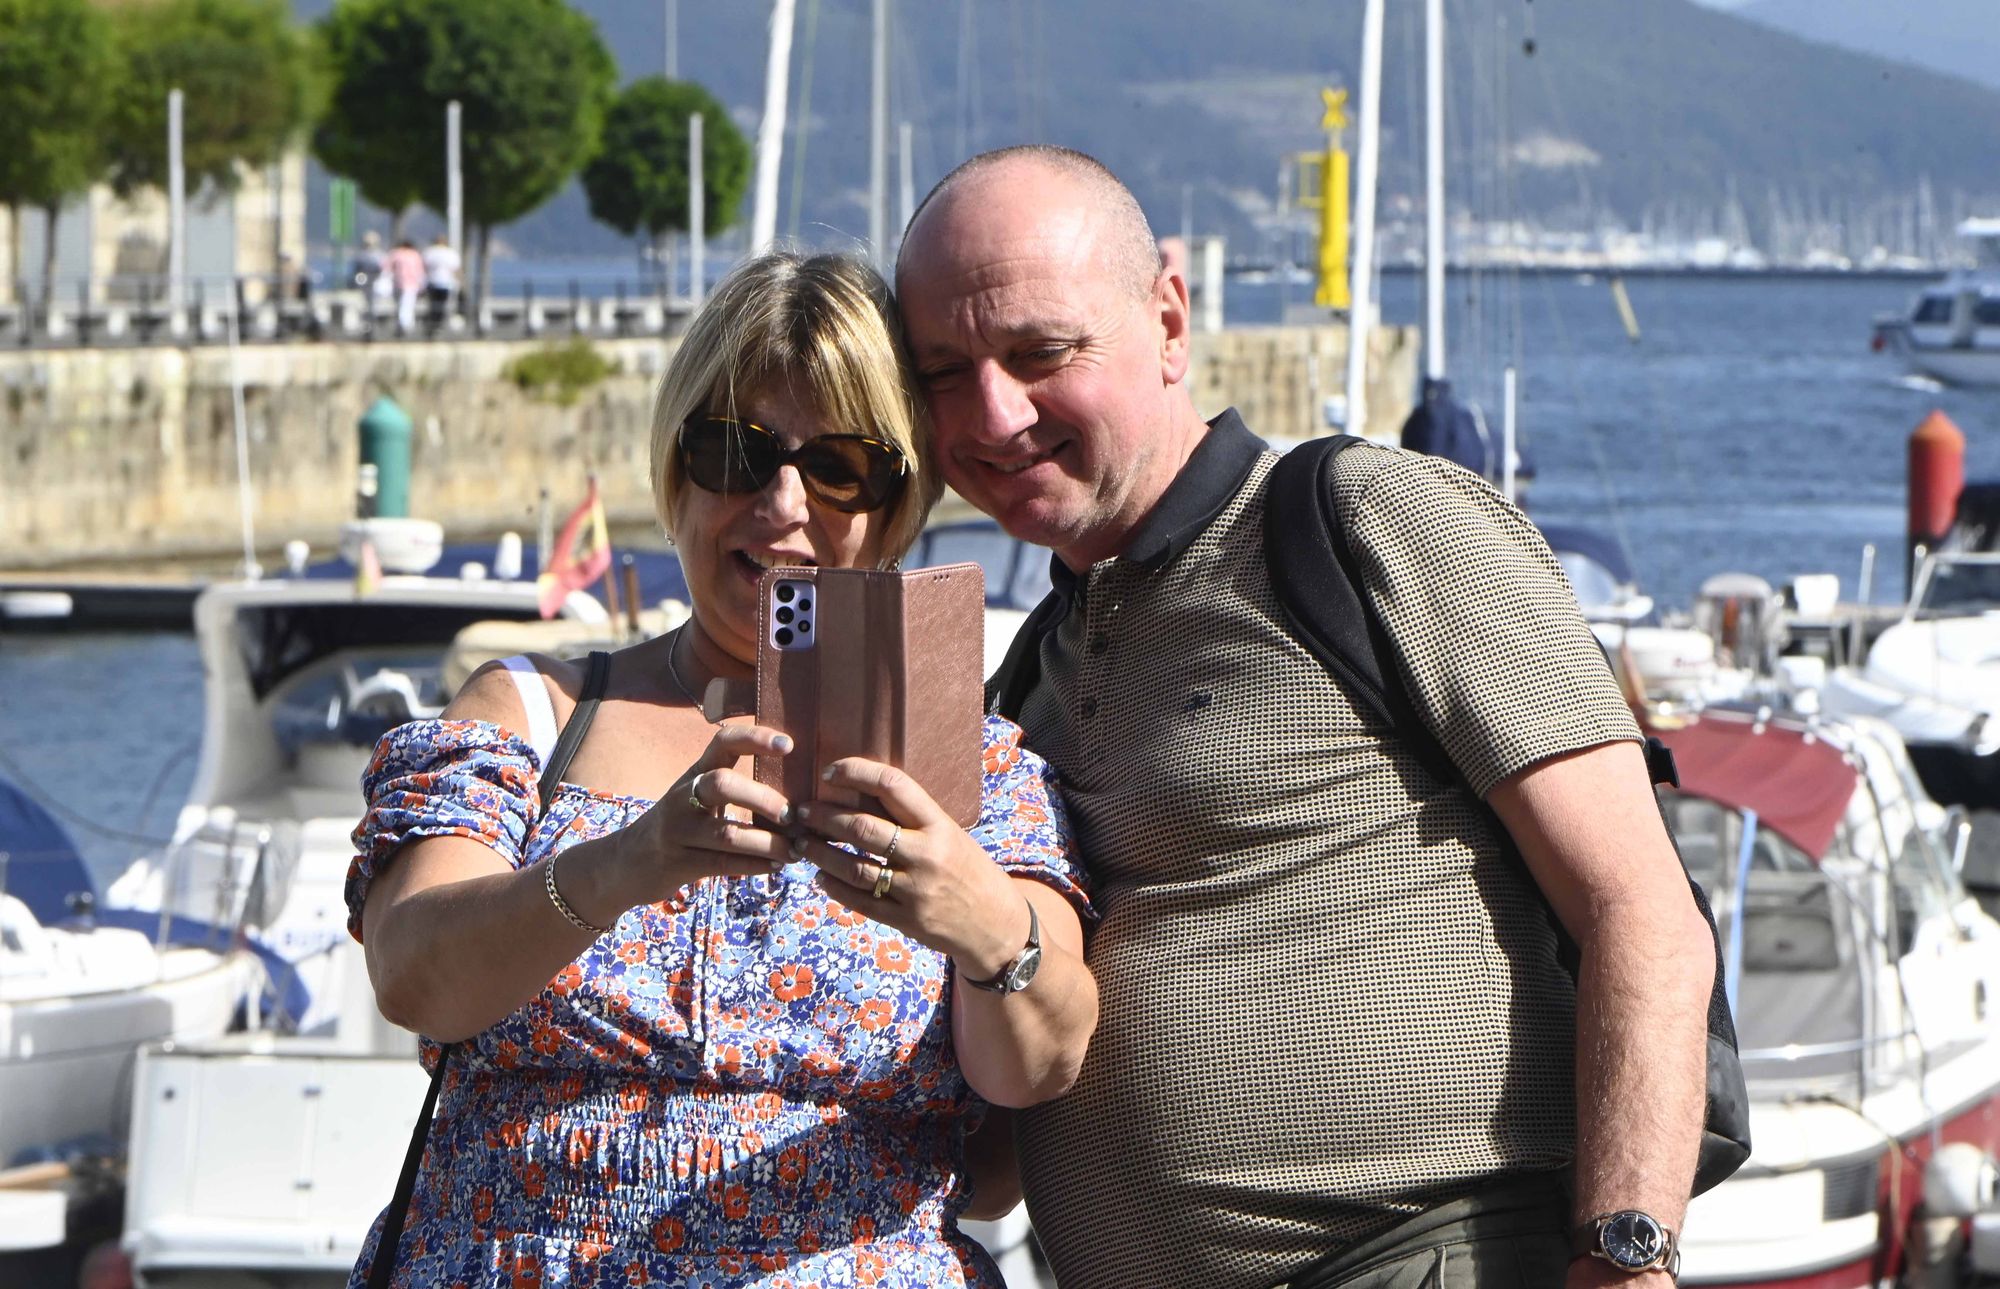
1749	428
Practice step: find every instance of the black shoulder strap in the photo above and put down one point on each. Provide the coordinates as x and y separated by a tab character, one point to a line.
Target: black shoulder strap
1008	688
594	681
1319	587
383	1269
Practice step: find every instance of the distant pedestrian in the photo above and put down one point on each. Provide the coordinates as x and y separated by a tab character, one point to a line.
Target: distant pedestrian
441	266
371	267
406	270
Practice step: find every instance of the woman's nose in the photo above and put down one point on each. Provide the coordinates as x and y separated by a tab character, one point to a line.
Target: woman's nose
784	499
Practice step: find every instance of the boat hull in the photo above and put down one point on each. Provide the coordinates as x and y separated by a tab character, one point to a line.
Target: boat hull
1976	365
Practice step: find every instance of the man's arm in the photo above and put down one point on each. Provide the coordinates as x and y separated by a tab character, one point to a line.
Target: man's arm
1588	827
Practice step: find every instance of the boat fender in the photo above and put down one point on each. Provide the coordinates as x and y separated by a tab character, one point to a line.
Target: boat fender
1960	1181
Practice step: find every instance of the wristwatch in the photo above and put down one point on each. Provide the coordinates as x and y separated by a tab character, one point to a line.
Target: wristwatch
1018	974
1629	1240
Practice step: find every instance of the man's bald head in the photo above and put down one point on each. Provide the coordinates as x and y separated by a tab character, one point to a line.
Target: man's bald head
1126	247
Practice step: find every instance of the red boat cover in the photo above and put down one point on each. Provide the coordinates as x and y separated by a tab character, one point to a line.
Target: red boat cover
1798	786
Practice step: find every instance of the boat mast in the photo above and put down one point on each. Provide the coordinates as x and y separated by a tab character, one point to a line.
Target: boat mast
878	141
1434	253
771	130
1361	313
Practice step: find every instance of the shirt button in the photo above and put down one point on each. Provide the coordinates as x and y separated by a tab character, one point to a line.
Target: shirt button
1099	646
1089	708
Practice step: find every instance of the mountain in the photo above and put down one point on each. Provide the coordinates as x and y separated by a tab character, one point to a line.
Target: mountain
1577	109
1958	37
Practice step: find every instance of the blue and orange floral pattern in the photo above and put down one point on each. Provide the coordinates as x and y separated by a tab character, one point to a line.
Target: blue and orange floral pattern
747	1084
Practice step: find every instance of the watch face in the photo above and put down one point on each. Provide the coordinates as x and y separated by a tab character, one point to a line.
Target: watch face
1024	970
1633	1240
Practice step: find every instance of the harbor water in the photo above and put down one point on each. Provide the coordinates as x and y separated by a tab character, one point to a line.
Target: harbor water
1748	428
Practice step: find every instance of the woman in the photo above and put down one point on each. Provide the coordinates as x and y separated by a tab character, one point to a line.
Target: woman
763	1072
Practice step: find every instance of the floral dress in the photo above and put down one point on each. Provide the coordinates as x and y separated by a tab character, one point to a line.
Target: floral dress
747	1084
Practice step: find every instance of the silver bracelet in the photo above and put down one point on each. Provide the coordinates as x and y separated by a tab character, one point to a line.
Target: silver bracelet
562	905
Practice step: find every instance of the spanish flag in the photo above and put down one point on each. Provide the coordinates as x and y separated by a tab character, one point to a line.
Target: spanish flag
581	556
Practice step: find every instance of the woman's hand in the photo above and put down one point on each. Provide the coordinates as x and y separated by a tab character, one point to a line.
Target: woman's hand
940	886
715	821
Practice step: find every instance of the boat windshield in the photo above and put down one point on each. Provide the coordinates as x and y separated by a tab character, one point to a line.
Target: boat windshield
356	697
1800	995
1935	308
1960	588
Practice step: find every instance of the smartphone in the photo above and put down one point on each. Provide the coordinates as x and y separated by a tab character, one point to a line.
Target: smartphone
878	664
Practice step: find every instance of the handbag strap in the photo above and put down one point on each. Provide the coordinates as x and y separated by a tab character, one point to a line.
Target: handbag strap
386	1249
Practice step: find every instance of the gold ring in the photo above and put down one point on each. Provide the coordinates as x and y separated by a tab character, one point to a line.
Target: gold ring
885	877
694	794
889	852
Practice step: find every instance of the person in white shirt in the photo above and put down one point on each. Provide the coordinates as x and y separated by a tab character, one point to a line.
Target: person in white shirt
441	266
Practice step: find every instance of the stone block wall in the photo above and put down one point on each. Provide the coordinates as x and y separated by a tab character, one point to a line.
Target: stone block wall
129	456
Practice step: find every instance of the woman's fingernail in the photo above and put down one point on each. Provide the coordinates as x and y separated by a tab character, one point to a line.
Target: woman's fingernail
783	742
785	815
798	848
827	774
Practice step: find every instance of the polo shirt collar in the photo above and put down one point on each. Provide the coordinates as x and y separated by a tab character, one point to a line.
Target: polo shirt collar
1211	477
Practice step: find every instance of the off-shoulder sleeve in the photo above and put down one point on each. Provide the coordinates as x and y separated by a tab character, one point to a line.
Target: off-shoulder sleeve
1021	819
441	778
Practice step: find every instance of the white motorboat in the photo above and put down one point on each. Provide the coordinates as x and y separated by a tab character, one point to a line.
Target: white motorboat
79	995
1935	675
1864	984
273	1149
1951	332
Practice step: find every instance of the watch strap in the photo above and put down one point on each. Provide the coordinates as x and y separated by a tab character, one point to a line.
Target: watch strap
1002	981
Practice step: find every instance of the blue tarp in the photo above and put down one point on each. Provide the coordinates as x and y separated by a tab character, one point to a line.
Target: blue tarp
44	867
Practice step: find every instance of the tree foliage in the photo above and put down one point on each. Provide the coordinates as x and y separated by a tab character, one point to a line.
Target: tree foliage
55	59
531	77
248	77
639	178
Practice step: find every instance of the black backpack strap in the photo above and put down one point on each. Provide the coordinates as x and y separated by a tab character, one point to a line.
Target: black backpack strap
1320	589
596	677
1020	671
1319	585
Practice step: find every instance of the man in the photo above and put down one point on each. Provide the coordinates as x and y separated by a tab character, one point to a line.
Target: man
1336	1046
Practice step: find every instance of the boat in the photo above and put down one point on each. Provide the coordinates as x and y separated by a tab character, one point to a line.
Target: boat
82	989
272	1148
1934	673
1864	983
1951	331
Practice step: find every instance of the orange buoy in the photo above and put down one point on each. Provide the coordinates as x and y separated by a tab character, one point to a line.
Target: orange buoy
1937	476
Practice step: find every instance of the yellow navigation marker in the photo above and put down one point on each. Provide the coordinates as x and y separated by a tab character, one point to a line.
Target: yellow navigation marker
1336	110
1323	187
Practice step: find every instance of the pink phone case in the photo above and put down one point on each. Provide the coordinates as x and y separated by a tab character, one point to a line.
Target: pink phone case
892	672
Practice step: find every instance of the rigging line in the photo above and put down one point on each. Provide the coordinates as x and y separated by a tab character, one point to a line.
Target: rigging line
55	806
802	123
962	114
1021	73
1591	435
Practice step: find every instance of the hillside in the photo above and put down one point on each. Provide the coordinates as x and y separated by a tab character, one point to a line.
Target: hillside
1959	37
1638	110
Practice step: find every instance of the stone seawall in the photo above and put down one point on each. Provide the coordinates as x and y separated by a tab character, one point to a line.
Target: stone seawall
129	456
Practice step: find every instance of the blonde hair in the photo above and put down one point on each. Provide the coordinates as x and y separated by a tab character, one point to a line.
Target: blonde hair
826	327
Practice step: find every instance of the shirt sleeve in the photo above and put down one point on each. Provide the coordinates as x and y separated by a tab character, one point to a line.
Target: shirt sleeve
1497	657
442	778
1021	819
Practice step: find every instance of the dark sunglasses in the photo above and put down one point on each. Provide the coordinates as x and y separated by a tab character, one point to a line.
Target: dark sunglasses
848	472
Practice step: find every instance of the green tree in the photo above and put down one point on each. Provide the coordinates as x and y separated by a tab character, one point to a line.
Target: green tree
639	179
531	77
55	60
247	75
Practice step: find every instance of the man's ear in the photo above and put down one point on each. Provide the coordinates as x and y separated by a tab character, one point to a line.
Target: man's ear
1170	298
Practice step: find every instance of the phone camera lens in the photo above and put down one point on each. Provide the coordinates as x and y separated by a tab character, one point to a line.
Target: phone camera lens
805	606
785	592
783	636
784	615
805	625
